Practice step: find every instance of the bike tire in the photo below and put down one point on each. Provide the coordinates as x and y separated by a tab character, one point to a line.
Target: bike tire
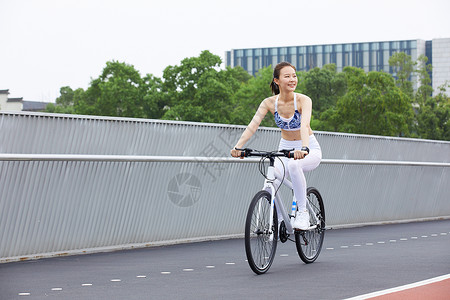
309	242
260	246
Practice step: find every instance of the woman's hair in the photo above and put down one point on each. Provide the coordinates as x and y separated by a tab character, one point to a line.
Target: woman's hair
276	74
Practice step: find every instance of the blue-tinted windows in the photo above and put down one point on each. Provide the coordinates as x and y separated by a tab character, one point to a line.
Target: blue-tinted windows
372	56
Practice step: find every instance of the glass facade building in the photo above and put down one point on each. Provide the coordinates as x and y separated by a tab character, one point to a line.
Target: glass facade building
370	56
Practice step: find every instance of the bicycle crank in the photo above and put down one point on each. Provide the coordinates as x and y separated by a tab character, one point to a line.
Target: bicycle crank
284	236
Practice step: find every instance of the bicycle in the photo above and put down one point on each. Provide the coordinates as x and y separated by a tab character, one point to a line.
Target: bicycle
262	230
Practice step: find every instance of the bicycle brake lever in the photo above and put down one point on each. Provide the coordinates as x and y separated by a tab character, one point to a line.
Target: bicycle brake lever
289	153
244	151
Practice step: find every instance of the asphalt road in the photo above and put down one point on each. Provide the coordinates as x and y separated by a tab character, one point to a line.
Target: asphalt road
353	262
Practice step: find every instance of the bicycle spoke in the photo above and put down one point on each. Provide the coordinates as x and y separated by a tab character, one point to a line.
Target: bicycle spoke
309	242
260	239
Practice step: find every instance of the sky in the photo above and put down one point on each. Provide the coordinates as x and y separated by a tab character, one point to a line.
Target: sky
48	44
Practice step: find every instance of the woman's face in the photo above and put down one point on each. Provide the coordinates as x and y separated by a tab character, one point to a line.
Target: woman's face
287	80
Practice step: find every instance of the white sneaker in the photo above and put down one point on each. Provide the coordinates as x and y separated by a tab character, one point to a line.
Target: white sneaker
301	221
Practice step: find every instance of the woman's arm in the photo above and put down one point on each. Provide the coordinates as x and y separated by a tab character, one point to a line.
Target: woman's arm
305	127
251	128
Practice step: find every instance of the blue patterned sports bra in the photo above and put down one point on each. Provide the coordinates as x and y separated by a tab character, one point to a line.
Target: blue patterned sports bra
291	124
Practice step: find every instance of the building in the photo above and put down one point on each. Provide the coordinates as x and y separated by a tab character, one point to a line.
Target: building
18	104
370	56
441	63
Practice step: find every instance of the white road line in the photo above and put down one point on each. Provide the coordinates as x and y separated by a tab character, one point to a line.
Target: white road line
400	288
392	241
24	294
286	255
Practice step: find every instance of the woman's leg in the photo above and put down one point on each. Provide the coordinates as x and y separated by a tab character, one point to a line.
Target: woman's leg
296	170
280	172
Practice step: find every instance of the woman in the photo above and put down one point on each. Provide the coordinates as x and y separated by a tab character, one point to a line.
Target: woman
292	112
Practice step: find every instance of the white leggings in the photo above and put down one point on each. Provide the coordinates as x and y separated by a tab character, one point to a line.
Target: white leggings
296	168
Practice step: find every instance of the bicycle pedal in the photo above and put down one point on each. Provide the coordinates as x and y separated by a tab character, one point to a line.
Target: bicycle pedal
307	229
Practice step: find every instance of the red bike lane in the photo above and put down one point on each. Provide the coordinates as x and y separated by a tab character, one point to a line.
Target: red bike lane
437	288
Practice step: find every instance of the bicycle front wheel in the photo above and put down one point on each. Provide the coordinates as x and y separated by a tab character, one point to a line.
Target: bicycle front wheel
260	237
309	242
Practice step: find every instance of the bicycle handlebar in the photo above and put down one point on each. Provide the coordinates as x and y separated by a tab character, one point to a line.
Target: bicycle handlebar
246	152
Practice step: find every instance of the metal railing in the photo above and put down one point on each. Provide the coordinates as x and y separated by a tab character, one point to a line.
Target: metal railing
149	158
108	197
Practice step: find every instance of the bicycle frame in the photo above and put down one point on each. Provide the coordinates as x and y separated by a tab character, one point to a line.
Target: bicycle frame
260	241
277	201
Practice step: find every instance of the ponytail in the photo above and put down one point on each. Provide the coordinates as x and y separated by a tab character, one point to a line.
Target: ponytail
275	88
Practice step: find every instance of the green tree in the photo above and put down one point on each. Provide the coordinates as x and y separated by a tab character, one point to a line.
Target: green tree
154	100
66	98
180	82
119	91
425	90
426	119
199	91
65	102
373	104
248	98
217	90
403	67
324	86
433	117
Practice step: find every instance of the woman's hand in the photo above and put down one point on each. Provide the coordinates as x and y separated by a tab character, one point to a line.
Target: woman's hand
299	154
236	153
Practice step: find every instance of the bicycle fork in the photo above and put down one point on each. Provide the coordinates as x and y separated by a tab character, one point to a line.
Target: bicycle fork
269	185
275	202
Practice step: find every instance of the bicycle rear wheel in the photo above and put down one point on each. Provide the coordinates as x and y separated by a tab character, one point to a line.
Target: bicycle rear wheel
309	242
260	238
